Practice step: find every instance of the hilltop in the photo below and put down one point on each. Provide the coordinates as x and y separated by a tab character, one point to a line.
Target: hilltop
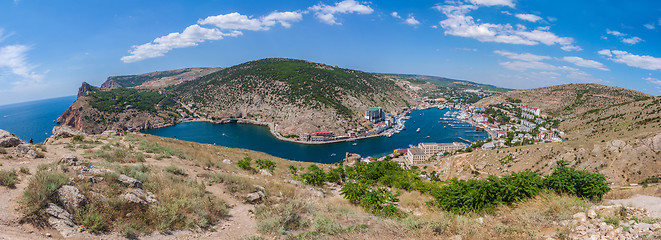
157	79
611	130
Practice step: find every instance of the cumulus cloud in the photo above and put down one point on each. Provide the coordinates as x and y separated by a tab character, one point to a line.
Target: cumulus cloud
529	57
191	36
585	63
623	37
395	15
632	60
458	23
488	3
411	21
528	17
225	25
326	13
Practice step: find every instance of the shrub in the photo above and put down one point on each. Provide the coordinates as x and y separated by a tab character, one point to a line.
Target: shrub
175	170
380	201
8	178
245	163
293	170
39	192
24	170
265	164
580	183
314	176
354	191
77	138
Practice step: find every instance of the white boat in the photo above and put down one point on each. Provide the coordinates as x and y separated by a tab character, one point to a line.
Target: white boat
333	155
418	130
354	144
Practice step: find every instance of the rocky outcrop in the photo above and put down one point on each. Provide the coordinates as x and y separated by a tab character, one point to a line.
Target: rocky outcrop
25	150
137	196
129	181
8	140
256	197
65	131
84	89
61	220
69	159
71	198
600	222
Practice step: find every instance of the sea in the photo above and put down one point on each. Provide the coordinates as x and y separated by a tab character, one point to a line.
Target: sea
33	120
259	138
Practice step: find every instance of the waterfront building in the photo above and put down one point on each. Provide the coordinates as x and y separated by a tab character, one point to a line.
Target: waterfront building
375	114
432	148
415	155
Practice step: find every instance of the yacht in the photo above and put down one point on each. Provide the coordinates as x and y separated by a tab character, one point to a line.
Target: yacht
418	130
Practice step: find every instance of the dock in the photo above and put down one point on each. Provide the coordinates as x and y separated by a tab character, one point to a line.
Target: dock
460	138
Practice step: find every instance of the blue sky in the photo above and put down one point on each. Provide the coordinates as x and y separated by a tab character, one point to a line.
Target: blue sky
47	48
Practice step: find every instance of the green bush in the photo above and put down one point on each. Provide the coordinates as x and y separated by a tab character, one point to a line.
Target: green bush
580	183
314	176
175	170
77	138
293	170
245	163
354	191
380	201
39	192
8	178
265	164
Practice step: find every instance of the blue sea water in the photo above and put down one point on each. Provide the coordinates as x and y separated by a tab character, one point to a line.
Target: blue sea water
33	119
259	138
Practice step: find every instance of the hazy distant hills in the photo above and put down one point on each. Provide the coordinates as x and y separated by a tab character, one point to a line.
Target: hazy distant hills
454	83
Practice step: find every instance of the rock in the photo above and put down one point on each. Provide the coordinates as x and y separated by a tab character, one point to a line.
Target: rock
256	197
581	217
265	172
136	195
591	214
25	150
61	220
227	161
71	198
260	188
69	159
95	179
8	140
129	181
316	193
64	131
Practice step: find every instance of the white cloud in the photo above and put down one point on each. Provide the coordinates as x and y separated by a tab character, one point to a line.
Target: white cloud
488	3
326	13
529	57
628	40
195	34
191	36
650	26
395	15
585	63
615	33
528	17
14	59
462	25
632	40
653	80
632	60
237	21
411	21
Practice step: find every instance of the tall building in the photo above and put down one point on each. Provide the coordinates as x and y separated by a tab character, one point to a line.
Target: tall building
375	114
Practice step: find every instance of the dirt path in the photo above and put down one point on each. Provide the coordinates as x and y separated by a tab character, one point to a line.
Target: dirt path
652	204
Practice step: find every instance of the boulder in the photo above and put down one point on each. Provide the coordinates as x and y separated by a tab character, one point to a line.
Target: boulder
256	197
227	161
8	140
265	172
136	195
61	220
581	217
129	181
25	150
64	131
71	198
69	159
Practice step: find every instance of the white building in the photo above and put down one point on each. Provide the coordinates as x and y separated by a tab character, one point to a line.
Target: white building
375	114
415	156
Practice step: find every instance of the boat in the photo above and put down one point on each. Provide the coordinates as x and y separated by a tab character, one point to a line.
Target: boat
427	136
354	144
418	130
333	155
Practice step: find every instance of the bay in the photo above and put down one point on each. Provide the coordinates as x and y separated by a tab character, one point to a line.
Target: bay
258	138
33	119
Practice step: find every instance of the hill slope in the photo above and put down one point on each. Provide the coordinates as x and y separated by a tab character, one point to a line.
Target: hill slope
299	96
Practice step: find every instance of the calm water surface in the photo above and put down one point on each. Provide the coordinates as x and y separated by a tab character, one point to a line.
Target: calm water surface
33	119
259	138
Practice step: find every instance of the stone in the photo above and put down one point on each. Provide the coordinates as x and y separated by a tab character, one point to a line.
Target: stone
136	195
591	214
581	217
260	188
95	179
64	131
456	237
8	140
129	181
71	198
227	161
256	197
61	220
265	172
25	150
69	159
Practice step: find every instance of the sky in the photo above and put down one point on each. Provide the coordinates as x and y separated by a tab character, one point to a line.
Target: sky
48	48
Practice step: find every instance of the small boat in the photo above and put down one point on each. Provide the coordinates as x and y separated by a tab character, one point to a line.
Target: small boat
445	126
354	144
427	136
418	130
333	155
